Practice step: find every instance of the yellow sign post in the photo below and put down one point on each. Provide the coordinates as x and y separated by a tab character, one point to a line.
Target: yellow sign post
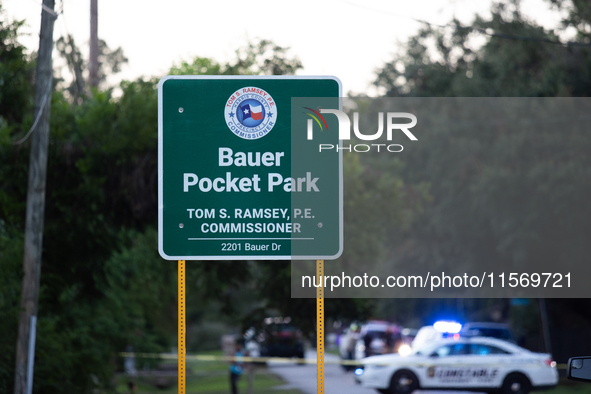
320	327
182	326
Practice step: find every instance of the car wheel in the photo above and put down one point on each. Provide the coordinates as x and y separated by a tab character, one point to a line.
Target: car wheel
516	383
403	382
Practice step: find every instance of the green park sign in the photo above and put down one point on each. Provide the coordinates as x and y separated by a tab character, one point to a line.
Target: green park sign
240	172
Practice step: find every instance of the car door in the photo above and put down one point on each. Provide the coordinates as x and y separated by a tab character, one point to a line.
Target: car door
448	367
490	364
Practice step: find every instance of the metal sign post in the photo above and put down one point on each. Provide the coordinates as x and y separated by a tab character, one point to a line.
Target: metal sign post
181	327
320	327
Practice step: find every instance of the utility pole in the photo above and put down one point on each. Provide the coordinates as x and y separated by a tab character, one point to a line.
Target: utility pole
93	64
25	351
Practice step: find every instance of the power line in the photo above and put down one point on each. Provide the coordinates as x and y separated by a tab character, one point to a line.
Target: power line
473	28
45	97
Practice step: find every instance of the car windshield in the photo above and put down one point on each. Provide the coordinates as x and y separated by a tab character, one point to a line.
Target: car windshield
440	349
427	349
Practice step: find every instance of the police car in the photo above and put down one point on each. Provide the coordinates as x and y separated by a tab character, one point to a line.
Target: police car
473	364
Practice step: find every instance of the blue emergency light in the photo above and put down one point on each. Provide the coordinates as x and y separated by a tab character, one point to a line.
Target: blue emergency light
447	326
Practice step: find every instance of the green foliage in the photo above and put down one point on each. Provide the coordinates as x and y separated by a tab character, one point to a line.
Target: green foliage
102	176
81	334
274	288
199	66
78	337
15	103
76	64
255	58
375	203
445	63
103	284
15	78
110	62
140	291
11	256
264	57
497	197
577	14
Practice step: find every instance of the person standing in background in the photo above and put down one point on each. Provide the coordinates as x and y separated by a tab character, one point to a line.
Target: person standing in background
352	344
236	368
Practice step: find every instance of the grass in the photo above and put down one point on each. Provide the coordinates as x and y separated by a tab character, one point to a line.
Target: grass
211	377
566	386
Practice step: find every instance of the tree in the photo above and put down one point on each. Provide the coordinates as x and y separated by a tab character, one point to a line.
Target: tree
515	199
103	285
255	58
16	71
110	63
578	15
16	94
518	59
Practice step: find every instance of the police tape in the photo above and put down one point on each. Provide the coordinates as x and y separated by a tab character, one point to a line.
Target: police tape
245	359
248	359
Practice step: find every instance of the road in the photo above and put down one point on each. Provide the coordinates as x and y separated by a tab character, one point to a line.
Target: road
336	380
303	377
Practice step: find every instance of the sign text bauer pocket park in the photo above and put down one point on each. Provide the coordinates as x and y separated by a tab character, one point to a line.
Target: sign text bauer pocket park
239	176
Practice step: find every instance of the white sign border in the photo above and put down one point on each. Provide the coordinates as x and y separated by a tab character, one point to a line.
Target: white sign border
161	172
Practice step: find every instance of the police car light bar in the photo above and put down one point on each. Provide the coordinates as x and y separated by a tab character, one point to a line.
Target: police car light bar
450	327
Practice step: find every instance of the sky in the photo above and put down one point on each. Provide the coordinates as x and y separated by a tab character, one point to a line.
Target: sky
349	39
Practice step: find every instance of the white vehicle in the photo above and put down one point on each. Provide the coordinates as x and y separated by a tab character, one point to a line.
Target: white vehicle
473	364
438	331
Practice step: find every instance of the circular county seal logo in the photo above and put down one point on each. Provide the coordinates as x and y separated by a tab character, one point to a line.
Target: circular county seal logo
250	113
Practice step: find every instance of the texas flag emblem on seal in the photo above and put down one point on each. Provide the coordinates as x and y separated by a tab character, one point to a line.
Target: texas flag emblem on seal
250	113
